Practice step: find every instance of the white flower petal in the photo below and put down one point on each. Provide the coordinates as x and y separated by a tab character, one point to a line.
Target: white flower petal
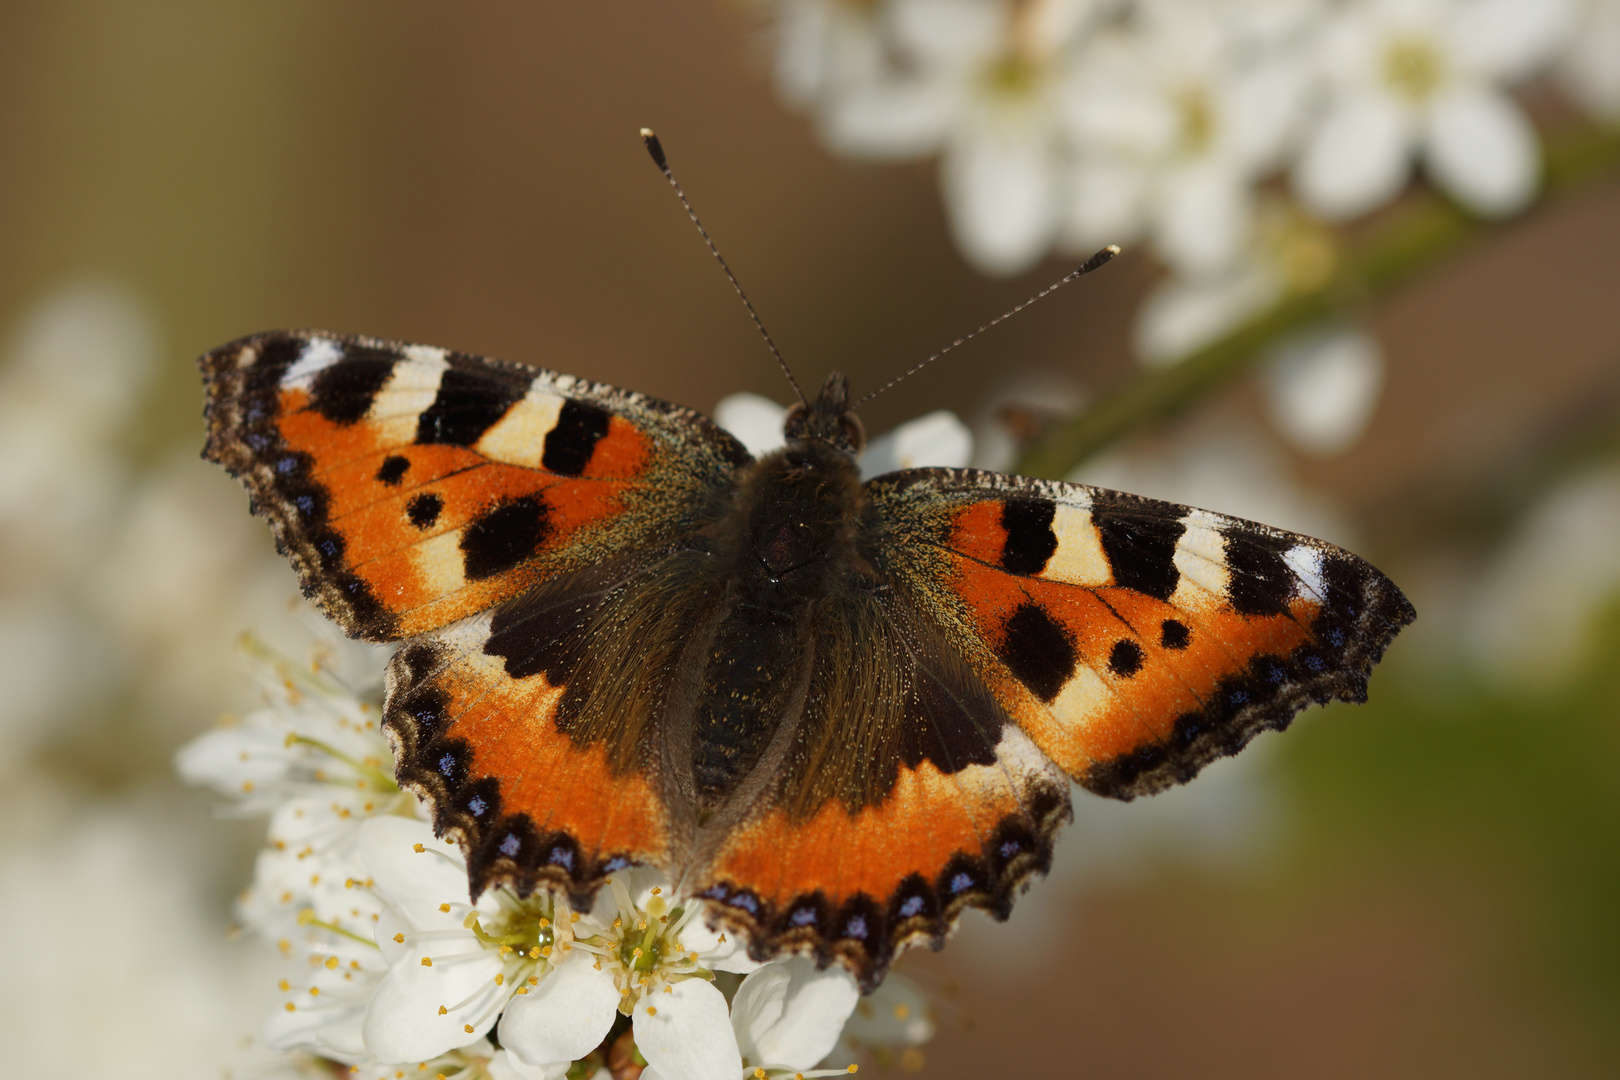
1001	192
789	1014
1590	70
1181	316
1205	218
1321	389
953	33
889	120
937	440
756	421
728	955
686	1034
1356	159
1510	39
1482	149
1106	205
564	1017
403	1022
415	882
507	1066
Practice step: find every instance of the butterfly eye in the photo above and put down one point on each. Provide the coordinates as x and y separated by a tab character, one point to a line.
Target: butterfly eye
793	423
854	431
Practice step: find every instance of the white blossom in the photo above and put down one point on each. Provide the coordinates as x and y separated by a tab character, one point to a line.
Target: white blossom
1590	65
1321	388
1175	117
1427	77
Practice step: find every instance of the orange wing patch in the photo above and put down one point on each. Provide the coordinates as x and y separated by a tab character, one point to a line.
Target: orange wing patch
412	486
529	804
861	884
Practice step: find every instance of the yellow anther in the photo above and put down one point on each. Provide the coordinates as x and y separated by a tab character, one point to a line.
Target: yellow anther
285	986
331	962
523	989
651	1011
534	980
759	1074
544	922
399	939
444	908
314	879
468	1029
636	955
291	1007
427	961
722	939
314	991
500	978
854	1068
669	989
546	951
247	786
656	890
443	1010
534	953
417	848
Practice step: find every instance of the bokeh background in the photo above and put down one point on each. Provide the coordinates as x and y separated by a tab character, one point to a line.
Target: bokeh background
1428	885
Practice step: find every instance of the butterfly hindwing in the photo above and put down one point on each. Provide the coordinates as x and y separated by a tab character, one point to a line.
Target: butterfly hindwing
904	794
413	486
1133	640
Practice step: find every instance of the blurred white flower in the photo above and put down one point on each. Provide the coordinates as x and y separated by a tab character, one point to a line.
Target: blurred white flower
888	1025
976	81
937	439
1427	76
1531	616
1287	253
1321	387
1175	116
1590	66
116	961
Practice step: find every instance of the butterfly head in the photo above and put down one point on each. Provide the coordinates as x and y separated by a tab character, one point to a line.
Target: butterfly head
827	419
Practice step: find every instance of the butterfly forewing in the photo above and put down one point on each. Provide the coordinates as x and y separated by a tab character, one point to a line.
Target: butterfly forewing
1133	640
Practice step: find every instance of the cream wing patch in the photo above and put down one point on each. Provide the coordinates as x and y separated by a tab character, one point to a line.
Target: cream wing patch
519	437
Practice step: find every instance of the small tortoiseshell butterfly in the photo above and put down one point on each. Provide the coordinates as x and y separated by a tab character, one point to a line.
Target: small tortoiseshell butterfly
841	712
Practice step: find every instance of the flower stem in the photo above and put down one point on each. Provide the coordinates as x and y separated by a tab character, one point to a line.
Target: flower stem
1410	240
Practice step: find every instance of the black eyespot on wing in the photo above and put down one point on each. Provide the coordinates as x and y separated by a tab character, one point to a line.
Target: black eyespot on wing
1030	540
1139	537
504	537
423	510
393	470
467	405
1038	651
1258	582
1126	658
570	444
343	392
1174	634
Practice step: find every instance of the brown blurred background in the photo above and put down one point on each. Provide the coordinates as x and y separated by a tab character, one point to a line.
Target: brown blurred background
469	175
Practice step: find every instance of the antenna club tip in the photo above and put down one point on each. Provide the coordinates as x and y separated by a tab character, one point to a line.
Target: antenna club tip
1112	249
655	148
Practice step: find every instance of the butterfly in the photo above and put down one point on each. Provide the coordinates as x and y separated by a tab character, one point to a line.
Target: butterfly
839	712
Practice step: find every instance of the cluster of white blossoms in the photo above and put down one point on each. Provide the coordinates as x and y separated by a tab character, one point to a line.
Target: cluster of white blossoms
1230	135
1071	124
393	970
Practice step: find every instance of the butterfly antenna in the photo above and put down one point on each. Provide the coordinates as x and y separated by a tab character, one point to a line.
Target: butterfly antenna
1084	268
656	149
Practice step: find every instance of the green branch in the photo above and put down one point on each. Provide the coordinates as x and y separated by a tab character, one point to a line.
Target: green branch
1412	238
